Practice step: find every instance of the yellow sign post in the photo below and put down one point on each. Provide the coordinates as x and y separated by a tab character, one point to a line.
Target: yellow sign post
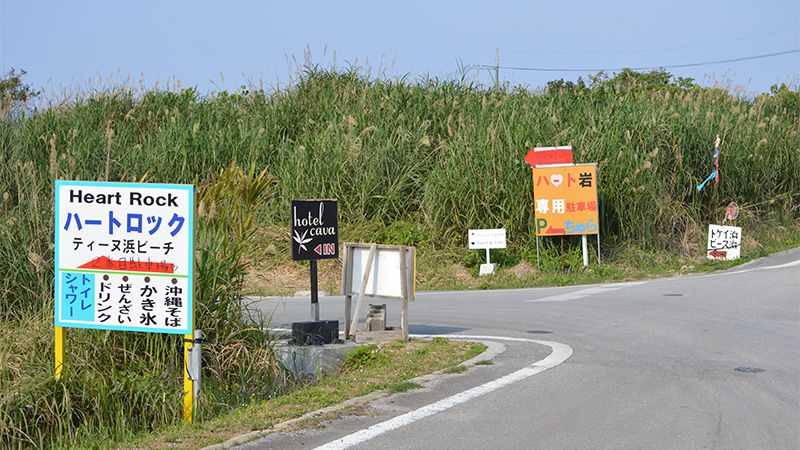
565	202
188	388
59	351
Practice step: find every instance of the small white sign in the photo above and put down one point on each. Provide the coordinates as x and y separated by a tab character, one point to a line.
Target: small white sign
487	238
724	242
487	269
385	278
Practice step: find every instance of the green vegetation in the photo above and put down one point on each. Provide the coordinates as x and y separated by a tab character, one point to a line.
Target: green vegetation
364	357
391	371
411	163
116	384
403	386
456	369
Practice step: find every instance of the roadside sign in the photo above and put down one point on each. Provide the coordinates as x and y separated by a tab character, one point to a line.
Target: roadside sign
377	271
724	242
565	200
123	256
541	156
731	212
315	230
487	238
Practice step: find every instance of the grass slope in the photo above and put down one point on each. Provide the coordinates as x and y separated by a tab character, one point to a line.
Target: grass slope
367	369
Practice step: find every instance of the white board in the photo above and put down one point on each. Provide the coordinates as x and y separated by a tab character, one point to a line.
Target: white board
724	242
385	279
487	238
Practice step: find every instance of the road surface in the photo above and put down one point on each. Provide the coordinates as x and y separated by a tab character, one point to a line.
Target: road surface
697	362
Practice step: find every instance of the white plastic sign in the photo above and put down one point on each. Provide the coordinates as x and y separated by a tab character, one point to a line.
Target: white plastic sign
724	242
385	275
123	256
487	238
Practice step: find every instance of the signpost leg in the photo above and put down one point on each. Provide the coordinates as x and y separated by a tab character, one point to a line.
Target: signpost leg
347	271
59	351
314	291
188	389
196	363
487	256
405	289
538	264
364	281
404	319
348	306
585	251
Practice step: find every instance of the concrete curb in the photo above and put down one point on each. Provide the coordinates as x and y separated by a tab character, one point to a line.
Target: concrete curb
493	349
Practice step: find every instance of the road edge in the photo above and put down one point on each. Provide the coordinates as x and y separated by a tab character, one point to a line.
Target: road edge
493	349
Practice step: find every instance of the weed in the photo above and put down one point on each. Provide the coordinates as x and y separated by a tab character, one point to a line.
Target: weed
364	357
403	386
422	351
456	369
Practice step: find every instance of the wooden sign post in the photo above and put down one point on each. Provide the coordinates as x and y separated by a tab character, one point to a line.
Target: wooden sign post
377	271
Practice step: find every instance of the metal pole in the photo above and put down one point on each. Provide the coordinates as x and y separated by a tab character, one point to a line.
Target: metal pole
487	257
497	70
314	291
538	264
585	251
196	363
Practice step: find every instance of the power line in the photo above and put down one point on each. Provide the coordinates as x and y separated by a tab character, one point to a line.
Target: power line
617	69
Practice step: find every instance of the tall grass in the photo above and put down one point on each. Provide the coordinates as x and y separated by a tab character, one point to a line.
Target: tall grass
425	160
118	384
440	152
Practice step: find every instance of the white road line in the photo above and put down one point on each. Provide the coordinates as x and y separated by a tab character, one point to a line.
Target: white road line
737	272
560	353
779	266
574	295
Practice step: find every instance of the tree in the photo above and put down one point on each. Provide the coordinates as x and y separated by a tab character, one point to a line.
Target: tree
14	93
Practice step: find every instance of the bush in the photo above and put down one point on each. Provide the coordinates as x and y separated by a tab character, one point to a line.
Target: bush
365	357
116	384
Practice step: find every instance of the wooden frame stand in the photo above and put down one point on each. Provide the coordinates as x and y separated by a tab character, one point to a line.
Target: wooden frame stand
387	271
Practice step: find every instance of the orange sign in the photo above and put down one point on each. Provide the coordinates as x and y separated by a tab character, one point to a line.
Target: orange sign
565	200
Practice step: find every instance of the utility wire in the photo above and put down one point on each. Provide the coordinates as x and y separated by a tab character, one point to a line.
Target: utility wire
617	69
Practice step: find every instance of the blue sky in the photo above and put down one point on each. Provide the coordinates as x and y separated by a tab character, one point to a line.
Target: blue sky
83	45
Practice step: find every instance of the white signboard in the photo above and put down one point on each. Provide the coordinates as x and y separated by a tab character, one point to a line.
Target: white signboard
487	238
724	242
123	256
384	279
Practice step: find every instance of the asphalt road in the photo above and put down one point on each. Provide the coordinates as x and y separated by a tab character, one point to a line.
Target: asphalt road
653	366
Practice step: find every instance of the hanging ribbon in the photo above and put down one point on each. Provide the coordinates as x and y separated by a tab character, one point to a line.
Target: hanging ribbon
715	171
